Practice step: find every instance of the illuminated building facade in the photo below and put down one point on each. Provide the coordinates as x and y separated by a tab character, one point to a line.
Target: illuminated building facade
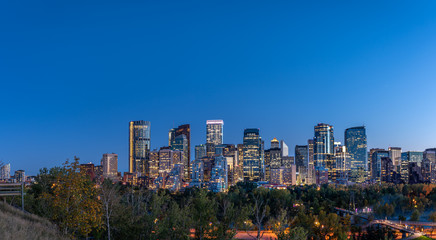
153	165
20	176
284	175
395	155
275	157
173	181
253	155
430	154
387	170
275	143
376	157
139	146
277	176
181	130
5	172
240	149
302	162
412	156
427	167
197	177
411	160
290	175
167	160
219	175
284	148
180	143
214	135
324	148
356	146
288	161
110	165
343	163
200	151
311	166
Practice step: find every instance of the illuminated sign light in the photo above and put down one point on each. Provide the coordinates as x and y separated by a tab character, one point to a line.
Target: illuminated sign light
215	122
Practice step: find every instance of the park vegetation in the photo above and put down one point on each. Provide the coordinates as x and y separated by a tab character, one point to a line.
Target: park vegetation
83	209
16	224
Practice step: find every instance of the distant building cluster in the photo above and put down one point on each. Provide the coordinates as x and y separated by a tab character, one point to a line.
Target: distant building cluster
217	166
18	177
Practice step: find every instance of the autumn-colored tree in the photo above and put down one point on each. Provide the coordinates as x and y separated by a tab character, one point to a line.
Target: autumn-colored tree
74	201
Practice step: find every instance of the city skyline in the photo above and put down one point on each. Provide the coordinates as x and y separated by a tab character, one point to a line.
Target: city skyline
338	137
75	73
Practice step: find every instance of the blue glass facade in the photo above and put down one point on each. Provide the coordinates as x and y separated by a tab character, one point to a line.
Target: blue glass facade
253	155
139	146
324	148
356	145
376	163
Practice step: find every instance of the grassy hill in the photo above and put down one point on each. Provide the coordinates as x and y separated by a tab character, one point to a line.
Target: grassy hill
15	224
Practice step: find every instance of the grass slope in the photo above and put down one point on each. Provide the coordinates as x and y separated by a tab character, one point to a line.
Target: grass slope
15	224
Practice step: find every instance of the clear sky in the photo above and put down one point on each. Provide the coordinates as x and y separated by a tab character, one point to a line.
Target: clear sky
74	73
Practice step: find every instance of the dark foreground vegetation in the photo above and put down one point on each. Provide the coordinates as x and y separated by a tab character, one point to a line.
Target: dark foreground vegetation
82	209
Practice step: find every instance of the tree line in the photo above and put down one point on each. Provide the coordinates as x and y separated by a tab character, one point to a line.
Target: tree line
83	209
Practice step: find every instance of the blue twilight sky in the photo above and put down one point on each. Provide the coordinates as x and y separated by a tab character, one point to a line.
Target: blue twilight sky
74	73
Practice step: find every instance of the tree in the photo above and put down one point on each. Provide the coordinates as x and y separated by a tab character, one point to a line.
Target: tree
110	198
402	218
228	217
280	225
174	222
432	217
203	214
415	215
74	201
296	233
330	225
259	210
44	181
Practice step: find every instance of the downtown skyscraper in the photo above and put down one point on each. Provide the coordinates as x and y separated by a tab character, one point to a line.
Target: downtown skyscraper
356	146
139	146
302	162
253	169
180	139
214	135
324	148
376	163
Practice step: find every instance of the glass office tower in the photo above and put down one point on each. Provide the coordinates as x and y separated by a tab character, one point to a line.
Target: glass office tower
253	156
302	162
376	163
139	146
184	129
356	145
324	148
180	143
200	151
214	135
